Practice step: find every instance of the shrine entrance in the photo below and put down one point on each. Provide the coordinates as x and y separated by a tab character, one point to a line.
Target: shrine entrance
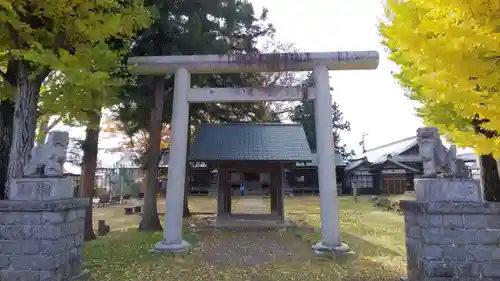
319	63
250	149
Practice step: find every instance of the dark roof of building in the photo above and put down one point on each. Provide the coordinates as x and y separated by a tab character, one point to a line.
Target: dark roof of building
381	154
339	161
249	141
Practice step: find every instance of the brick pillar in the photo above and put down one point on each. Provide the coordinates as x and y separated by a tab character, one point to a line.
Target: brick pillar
42	240
449	239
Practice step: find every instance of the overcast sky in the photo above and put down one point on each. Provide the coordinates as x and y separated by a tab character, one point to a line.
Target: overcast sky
371	100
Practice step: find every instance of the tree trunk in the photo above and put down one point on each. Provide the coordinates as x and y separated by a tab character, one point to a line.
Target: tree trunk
89	166
43	123
6	119
490	179
150	220
25	117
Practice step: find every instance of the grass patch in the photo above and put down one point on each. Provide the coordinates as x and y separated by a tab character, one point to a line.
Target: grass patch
391	202
377	237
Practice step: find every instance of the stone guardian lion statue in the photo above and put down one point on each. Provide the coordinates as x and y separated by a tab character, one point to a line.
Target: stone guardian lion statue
47	160
438	161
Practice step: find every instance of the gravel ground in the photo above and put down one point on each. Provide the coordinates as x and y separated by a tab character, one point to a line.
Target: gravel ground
252	248
247	248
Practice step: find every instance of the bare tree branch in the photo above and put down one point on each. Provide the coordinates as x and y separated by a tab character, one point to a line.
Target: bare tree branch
53	124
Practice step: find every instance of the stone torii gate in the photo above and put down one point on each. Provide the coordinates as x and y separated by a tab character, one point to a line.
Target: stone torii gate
184	66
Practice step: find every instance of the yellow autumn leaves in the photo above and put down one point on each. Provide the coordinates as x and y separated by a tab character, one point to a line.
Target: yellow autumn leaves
449	54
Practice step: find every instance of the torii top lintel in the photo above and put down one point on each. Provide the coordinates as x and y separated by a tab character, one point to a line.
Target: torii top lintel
277	62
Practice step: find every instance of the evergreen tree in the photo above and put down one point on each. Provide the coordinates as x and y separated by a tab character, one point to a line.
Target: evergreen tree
303	113
187	28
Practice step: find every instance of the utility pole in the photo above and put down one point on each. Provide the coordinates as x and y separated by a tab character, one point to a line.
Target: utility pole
362	142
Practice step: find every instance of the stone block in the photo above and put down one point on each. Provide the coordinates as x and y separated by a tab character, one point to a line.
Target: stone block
414	231
475	221
50	275
50	232
21	218
495	254
76	226
493	221
41	188
27	247
20	262
479	254
16	232
47	245
413	245
447	189
459	239
454	253
431	253
410	218
491	270
54	217
462	236
489	236
19	275
439	269
76	214
436	237
46	262
422	220
4	261
453	221
78	239
467	269
435	220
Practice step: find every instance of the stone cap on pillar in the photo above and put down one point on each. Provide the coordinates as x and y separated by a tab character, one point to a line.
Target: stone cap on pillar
483	208
41	189
37	206
448	189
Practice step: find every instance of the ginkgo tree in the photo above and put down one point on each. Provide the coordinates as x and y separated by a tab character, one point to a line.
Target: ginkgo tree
38	37
449	57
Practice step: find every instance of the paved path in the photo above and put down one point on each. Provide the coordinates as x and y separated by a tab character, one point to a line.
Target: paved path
252	205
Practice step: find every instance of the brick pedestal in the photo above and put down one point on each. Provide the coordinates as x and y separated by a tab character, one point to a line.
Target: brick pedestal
42	240
447	240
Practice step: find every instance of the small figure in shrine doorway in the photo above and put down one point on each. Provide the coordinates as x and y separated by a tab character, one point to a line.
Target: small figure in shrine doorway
242	189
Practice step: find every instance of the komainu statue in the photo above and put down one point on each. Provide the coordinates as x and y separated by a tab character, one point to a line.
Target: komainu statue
47	160
438	161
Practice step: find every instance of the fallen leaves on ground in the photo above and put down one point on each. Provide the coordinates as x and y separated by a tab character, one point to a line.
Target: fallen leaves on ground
376	237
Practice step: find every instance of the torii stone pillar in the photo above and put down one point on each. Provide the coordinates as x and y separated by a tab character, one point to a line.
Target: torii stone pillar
327	180
319	63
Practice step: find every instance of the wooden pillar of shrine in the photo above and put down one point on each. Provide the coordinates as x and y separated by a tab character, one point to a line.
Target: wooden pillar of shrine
276	191
223	191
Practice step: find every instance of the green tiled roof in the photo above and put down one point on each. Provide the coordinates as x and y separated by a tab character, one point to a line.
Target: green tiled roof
248	141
